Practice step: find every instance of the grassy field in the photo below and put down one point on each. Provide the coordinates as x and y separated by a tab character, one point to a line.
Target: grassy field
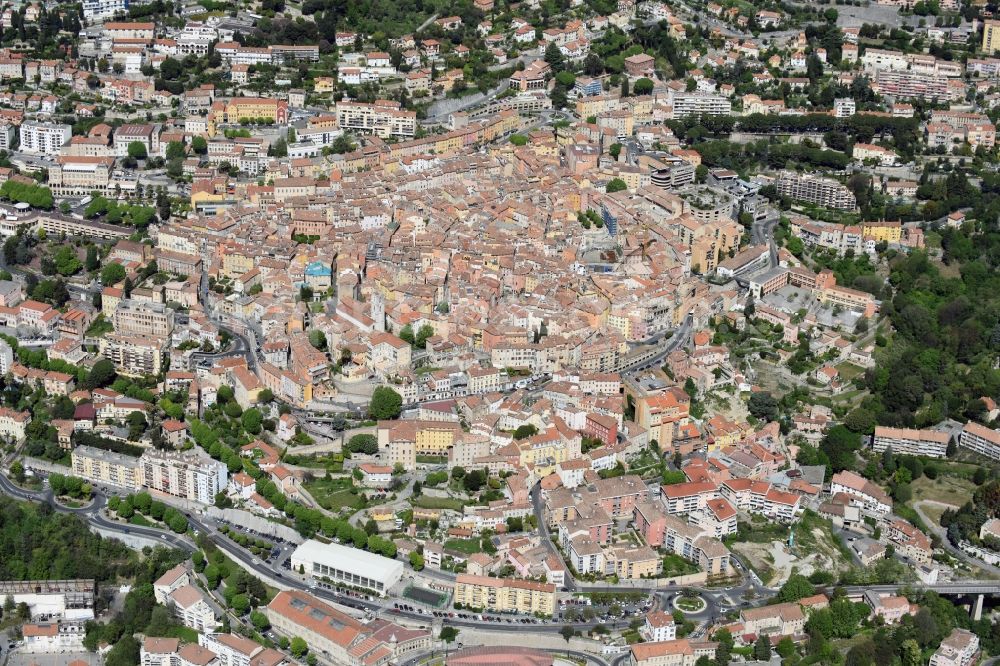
426	502
467	546
334	494
675	565
933	513
948	489
848	371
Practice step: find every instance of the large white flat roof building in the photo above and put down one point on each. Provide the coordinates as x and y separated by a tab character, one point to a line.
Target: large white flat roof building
346	565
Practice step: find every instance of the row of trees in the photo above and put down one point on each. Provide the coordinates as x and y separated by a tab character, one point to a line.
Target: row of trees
143	503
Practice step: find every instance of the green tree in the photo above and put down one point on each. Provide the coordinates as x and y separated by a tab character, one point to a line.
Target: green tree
426	331
102	374
796	587
385	404
673	477
554	57
525	431
643	86
763	406
448	634
785	647
260	621
251	420
616	185
762	648
298	647
112	273
241	604
416	561
92	261
66	260
137	150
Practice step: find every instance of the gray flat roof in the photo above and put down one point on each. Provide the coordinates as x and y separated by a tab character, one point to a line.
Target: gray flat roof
350	560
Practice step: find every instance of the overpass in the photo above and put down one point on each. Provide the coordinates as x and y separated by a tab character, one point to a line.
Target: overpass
964	588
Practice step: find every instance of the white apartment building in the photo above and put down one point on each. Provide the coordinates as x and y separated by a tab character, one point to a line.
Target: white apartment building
382	118
697	104
960	648
844	107
191	608
230	649
659	626
911	442
44	138
6	357
101	9
868	496
186	475
811	189
984	441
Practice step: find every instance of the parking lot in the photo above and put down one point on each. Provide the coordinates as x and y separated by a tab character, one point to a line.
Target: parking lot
794	299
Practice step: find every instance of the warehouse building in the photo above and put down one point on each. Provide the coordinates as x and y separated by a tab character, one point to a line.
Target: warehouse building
349	566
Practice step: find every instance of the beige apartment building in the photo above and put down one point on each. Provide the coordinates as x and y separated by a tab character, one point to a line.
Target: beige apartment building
102	466
134	317
679	652
505	594
13	423
911	442
80	175
134	355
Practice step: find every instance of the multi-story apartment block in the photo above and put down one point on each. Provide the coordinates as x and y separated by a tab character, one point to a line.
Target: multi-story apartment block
761	498
991	38
786	619
188	476
683	498
192	609
811	189
700	104
931	443
383	118
868	496
75	176
843	107
961	647
13	424
505	594
147	135
231	649
43	138
106	467
135	355
159	652
133	317
101	9
984	441
679	652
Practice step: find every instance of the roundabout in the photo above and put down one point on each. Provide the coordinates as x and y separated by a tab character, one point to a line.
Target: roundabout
691	604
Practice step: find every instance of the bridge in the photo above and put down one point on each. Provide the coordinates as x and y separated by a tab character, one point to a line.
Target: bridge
965	588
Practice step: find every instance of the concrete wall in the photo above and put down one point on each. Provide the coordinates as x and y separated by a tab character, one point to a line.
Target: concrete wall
134	541
649	583
256	523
